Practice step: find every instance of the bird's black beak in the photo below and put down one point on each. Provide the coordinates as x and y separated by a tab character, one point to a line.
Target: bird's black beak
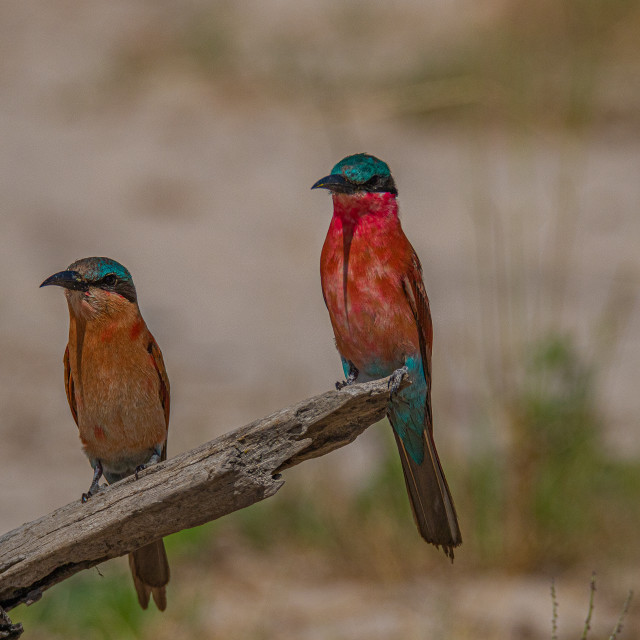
67	279
335	183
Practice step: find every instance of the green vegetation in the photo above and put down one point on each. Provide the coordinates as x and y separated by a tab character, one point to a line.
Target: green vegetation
89	605
558	63
587	624
555	487
544	60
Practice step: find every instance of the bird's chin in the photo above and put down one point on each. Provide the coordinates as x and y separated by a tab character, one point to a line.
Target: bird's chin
83	304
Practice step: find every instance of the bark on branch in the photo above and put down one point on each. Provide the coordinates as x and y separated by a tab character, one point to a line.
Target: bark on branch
229	473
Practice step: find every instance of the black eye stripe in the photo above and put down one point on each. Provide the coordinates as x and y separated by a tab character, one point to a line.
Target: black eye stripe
110	280
380	184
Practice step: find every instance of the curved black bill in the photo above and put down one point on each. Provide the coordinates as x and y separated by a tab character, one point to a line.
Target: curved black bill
67	279
336	183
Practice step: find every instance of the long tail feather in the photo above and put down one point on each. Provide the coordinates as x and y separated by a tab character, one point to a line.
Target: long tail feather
430	497
150	571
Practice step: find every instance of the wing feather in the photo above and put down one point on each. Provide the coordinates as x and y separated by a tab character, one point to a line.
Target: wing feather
427	486
69	386
419	302
165	396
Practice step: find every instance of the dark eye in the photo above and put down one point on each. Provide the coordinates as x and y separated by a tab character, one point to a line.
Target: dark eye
110	280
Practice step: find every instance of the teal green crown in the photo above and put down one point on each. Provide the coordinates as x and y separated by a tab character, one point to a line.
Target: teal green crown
93	269
95	273
361	168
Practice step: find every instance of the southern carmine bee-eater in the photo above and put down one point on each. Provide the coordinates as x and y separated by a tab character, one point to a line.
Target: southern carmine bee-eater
373	289
118	392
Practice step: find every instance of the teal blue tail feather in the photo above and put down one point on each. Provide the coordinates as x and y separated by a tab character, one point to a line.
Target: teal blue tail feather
429	494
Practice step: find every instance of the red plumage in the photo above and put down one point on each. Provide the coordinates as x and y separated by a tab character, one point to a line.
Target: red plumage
379	309
365	265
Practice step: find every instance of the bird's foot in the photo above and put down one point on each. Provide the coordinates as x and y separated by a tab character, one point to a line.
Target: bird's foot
396	379
95	483
152	460
351	378
92	492
7	628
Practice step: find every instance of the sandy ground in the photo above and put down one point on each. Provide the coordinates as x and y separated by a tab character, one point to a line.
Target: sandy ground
284	602
203	192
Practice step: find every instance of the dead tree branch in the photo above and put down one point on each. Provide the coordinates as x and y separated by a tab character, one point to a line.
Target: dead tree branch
229	473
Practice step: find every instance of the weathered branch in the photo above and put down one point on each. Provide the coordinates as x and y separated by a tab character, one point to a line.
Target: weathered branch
217	478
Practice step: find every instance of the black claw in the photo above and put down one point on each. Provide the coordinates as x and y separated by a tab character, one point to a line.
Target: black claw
92	492
351	378
396	379
154	459
95	483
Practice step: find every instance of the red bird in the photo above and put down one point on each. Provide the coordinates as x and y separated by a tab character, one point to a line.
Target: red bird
118	392
372	286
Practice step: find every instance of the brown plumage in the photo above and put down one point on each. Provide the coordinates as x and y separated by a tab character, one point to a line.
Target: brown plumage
118	392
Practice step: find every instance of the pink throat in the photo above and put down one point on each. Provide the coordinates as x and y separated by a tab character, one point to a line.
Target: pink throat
351	207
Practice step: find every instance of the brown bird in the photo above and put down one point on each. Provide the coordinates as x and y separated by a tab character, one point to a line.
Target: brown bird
118	392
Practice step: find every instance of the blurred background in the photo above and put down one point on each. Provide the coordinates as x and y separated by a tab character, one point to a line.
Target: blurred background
181	138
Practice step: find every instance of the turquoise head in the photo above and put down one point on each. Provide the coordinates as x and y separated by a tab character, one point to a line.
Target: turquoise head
359	173
94	275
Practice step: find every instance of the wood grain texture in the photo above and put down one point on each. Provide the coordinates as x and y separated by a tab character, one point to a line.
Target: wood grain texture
226	474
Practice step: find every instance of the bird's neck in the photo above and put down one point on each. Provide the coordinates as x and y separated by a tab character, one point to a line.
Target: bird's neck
117	319
351	208
101	307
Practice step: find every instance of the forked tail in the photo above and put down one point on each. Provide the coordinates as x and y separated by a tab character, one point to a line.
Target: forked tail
430	497
150	571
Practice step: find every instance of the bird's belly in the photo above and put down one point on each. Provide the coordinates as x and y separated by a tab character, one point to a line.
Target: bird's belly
374	332
362	282
120	424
